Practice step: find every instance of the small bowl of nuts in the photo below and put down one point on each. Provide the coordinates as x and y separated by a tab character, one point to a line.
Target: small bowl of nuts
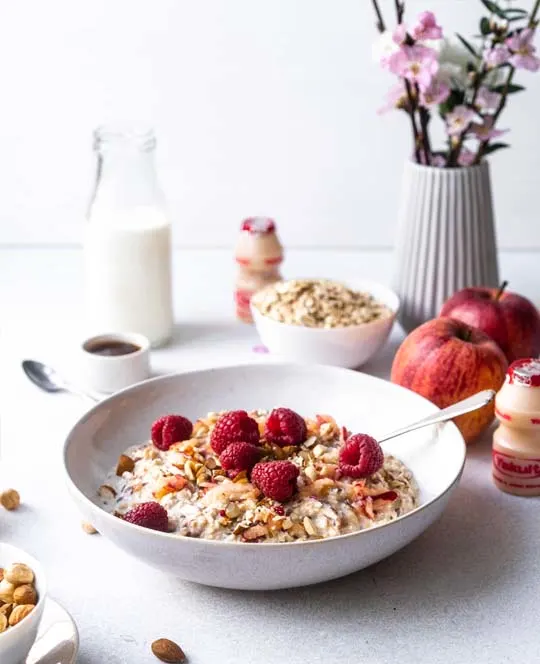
325	322
22	599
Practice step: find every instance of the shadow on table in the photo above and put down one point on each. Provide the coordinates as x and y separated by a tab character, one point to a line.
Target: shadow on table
467	555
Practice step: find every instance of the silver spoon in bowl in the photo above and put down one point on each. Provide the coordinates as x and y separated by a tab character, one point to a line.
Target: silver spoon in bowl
469	404
48	379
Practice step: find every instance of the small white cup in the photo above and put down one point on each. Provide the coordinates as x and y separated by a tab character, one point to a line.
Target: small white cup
105	371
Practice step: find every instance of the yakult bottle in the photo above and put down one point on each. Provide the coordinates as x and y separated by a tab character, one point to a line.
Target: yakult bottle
258	254
516	443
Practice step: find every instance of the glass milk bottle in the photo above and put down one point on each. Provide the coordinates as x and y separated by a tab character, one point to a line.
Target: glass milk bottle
128	240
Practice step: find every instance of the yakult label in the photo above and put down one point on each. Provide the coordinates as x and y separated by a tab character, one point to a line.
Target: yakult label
516	472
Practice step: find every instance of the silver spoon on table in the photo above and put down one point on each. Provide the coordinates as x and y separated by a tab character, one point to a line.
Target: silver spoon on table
50	380
460	408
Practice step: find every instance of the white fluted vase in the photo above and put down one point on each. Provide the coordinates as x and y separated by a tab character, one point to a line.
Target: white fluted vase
446	238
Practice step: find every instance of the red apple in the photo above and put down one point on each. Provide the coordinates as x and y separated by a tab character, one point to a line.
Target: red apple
445	361
509	319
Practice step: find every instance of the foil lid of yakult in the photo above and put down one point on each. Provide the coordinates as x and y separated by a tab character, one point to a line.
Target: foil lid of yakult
525	372
259	225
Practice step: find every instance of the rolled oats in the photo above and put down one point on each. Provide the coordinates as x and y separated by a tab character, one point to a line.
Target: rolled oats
318	303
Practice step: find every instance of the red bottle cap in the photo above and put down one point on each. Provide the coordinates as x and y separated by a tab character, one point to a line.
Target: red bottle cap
525	372
261	225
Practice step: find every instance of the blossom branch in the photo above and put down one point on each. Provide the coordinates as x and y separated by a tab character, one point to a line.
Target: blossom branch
380	21
504	96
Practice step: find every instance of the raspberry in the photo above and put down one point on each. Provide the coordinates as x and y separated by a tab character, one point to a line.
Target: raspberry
234	427
276	479
149	515
239	456
284	427
361	456
170	429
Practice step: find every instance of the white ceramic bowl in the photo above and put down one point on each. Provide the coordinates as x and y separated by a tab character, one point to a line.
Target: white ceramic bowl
341	346
356	400
16	642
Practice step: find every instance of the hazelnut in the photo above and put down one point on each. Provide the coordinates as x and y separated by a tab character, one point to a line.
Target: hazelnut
6	591
19	613
10	499
18	574
6	610
88	528
25	594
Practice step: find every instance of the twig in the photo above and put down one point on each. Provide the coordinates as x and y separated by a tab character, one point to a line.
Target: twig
380	21
411	111
534	12
400	10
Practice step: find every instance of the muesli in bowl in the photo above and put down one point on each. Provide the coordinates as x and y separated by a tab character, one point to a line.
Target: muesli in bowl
258	477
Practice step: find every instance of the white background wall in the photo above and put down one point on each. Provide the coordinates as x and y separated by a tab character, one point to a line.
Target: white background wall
260	107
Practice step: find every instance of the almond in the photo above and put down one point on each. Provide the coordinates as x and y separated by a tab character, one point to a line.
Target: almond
125	465
25	594
168	651
10	499
3	623
19	613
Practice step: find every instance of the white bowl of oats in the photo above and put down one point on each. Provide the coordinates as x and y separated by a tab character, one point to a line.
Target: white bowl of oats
325	322
258	476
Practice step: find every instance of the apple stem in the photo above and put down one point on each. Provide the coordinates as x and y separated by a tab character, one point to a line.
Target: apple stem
501	290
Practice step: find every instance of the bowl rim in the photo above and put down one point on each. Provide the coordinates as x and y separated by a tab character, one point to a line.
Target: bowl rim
198	541
351	283
15	629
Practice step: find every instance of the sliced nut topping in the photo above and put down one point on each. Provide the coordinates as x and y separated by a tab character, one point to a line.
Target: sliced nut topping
19	613
168	651
308	525
106	492
10	499
125	465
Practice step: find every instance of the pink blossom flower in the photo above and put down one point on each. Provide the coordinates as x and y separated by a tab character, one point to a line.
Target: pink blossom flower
488	101
427	27
486	131
523	51
466	157
395	98
400	34
437	93
496	56
459	120
416	63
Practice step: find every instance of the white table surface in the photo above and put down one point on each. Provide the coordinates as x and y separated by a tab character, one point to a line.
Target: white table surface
466	591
